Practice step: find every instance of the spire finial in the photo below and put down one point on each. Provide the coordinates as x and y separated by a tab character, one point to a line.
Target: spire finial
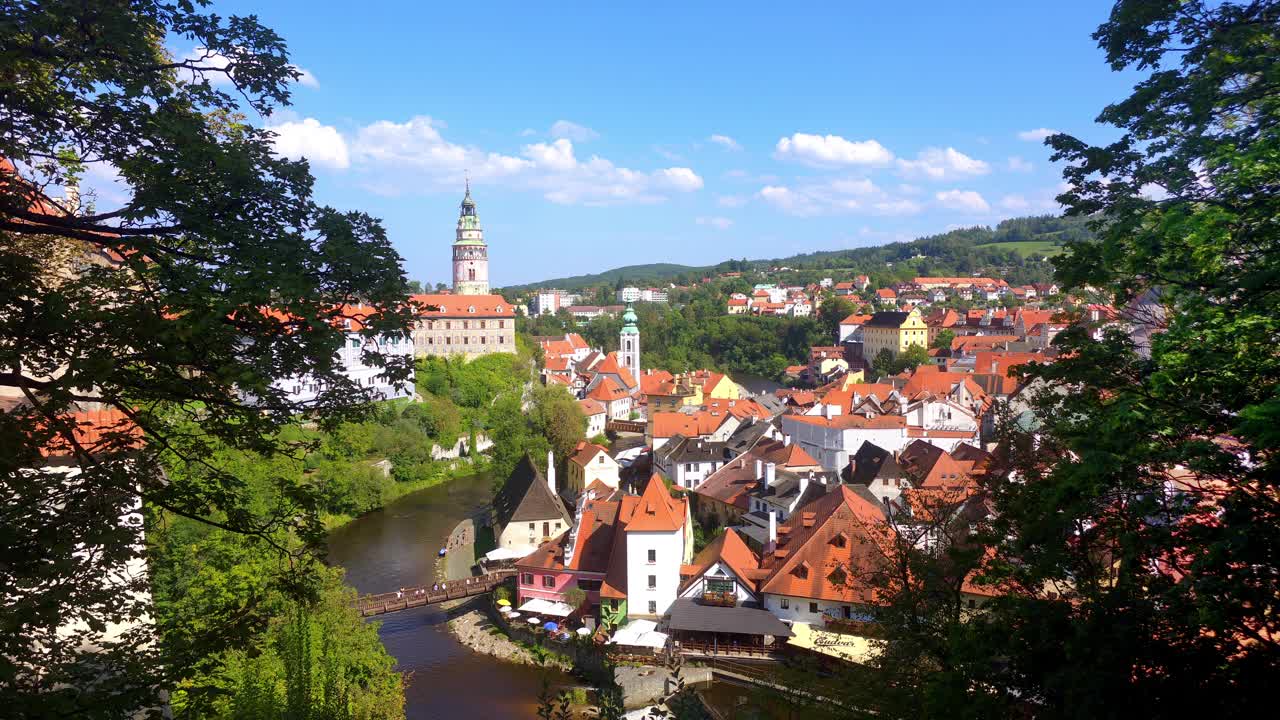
466	174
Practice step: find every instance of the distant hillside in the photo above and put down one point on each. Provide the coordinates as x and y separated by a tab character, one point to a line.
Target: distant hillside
631	273
1015	245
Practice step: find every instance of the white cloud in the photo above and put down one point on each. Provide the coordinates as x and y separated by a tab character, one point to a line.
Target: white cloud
831	151
788	200
680	178
321	144
962	200
725	141
942	164
415	154
416	145
906	189
1017	164
557	155
210	64
1037	135
306	78
719	223
572	131
839	196
731	201
1014	202
528	132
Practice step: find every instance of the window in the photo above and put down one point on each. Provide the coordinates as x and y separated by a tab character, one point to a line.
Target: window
653	582
786	602
548	581
719	585
653	558
602	459
471	273
526	578
813	607
533	526
653	607
546	528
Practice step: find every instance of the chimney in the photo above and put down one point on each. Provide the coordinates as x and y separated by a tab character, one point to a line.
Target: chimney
804	484
828	411
773	528
770	470
551	471
759	469
786	441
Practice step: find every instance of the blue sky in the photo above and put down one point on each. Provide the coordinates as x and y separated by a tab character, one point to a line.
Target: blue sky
598	136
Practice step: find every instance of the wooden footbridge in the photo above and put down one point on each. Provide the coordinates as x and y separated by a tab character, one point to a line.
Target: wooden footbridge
412	597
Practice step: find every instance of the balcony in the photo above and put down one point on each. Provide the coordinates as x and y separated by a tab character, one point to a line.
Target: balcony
852	626
720	599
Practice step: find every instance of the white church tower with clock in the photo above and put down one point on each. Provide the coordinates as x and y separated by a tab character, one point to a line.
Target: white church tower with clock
470	254
629	343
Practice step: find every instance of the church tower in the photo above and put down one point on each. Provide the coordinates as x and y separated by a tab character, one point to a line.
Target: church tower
470	254
629	343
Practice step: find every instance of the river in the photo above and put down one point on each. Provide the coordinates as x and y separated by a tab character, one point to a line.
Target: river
396	547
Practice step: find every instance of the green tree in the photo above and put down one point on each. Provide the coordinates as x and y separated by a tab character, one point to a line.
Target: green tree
1136	550
556	416
942	340
911	358
833	310
213	277
883	363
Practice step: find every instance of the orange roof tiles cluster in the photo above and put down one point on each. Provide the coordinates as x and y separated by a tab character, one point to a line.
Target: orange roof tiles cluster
462	306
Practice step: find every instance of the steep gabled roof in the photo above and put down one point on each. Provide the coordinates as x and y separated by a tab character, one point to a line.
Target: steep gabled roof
871	462
808	540
585	452
526	497
657	510
729	550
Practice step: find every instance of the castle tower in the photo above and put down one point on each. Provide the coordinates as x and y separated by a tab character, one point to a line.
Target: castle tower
470	254
629	343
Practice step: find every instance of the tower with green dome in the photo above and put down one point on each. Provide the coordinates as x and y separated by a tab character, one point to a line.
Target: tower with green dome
470	254
629	343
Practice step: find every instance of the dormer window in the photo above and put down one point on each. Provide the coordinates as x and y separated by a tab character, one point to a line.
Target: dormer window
802	571
471	309
840	540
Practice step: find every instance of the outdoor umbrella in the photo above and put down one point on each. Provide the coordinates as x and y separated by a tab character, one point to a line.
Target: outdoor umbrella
534	621
504	602
551	627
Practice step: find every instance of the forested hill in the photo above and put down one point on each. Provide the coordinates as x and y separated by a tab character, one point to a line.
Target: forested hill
1014	242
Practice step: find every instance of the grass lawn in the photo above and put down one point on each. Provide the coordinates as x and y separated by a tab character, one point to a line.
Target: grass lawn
1028	248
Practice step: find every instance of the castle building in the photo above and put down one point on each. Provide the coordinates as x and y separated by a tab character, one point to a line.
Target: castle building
470	254
469	321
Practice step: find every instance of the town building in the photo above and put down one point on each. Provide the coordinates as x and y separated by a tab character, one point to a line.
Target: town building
893	331
589	464
629	343
466	325
527	511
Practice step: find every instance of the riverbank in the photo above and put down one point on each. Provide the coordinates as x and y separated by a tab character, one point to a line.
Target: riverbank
458	469
476	630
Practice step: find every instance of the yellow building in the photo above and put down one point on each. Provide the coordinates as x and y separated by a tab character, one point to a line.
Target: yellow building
893	331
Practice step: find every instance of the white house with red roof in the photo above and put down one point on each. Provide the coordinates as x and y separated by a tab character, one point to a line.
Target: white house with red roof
589	463
658	543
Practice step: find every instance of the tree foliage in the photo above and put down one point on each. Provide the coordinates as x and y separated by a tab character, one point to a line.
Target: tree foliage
1135	538
212	276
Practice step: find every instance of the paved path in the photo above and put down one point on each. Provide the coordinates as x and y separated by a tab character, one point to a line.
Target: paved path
462	553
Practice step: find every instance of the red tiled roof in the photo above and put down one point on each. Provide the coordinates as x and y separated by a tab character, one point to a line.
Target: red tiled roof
607	391
855	319
591	407
886	293
838	530
727	549
460	306
845	422
95	431
657	510
670	424
585	452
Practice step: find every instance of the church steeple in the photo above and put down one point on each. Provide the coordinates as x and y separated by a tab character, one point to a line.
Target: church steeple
470	254
629	342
